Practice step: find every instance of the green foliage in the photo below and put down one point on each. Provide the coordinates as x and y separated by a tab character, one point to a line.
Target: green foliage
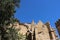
13	34
7	10
21	37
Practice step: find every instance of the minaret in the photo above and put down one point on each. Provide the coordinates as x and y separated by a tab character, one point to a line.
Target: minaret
58	25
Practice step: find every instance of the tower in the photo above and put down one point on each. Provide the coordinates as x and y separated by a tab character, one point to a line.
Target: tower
58	25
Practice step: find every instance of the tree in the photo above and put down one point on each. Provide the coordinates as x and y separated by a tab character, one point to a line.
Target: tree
7	10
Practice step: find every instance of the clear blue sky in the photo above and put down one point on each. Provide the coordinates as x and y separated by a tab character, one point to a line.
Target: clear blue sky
44	10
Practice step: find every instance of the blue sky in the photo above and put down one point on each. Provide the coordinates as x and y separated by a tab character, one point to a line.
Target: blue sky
44	10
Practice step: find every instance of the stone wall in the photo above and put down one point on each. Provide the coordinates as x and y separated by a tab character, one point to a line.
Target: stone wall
39	31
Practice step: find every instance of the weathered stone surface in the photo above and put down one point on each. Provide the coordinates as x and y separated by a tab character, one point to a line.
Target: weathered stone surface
37	31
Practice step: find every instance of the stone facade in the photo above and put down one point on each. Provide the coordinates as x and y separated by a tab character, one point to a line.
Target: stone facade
39	31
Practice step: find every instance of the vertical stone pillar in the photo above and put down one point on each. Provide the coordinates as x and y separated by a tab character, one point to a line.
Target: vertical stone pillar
51	31
53	34
48	26
32	29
